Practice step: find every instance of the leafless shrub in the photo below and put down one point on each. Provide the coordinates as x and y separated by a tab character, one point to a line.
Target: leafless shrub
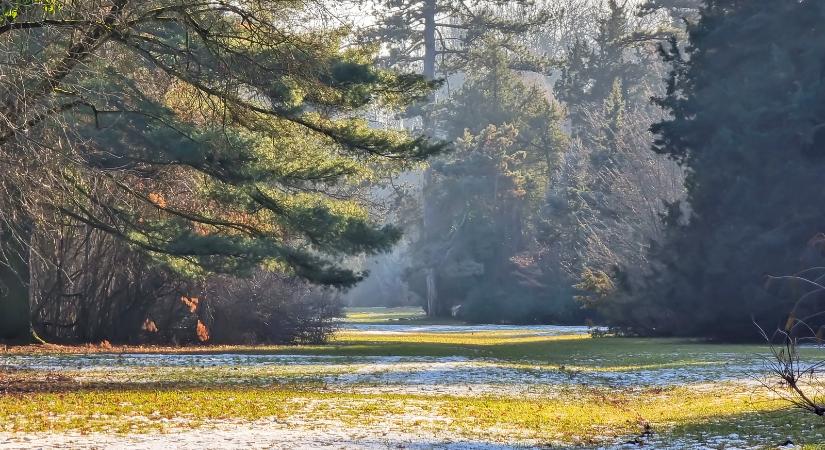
89	287
799	382
269	308
796	381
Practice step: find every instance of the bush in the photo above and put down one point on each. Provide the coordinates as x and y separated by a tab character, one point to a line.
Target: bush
94	288
269	308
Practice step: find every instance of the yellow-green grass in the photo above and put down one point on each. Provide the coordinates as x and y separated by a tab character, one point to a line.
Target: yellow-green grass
583	415
565	350
134	401
407	315
308	375
381	314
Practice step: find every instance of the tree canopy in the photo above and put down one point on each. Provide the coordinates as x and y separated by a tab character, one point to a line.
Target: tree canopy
745	100
216	136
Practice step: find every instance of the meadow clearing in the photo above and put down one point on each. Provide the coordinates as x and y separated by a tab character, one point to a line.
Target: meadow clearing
389	379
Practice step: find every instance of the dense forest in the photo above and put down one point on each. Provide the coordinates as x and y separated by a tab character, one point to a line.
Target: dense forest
235	171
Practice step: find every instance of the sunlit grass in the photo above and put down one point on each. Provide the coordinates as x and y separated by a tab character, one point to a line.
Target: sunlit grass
582	415
383	315
167	398
580	351
406	315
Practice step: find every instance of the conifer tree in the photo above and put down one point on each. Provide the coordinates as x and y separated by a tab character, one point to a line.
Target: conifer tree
439	38
488	194
215	136
747	111
616	53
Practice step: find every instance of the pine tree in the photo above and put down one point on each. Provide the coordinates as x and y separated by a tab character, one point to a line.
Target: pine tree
747	107
616	54
439	38
487	194
214	136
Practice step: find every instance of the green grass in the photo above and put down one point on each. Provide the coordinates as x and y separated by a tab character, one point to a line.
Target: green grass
568	350
382	314
407	315
166	398
583	415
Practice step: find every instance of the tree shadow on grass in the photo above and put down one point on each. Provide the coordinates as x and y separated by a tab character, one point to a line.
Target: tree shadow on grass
608	354
573	351
765	429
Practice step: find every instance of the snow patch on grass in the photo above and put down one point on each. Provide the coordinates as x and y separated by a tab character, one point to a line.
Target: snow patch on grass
527	330
262	434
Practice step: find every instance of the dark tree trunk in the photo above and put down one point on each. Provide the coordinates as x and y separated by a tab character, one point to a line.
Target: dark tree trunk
429	39
429	73
15	315
429	272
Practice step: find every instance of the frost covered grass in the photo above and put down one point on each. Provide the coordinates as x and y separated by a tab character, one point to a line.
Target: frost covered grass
413	385
584	416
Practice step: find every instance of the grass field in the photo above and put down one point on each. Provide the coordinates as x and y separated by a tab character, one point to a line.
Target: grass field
412	385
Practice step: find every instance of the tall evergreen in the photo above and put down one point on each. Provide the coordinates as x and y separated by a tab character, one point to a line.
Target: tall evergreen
438	37
616	53
441	38
487	194
747	101
213	136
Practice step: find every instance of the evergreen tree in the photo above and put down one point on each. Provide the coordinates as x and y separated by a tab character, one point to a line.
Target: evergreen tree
214	136
486	195
747	110
616	53
438	37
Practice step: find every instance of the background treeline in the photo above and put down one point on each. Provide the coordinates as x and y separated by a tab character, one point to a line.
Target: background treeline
552	191
643	165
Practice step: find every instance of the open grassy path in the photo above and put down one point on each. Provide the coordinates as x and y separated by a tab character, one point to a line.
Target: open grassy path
414	385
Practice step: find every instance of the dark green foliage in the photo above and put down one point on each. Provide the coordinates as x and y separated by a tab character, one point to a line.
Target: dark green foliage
486	195
14	272
212	137
747	111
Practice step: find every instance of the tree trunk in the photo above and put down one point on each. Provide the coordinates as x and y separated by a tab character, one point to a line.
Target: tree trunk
15	316
429	73
429	39
429	272
432	294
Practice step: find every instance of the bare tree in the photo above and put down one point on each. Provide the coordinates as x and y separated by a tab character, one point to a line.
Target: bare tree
798	380
800	383
631	188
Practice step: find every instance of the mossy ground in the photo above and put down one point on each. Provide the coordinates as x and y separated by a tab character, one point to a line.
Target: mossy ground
168	398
